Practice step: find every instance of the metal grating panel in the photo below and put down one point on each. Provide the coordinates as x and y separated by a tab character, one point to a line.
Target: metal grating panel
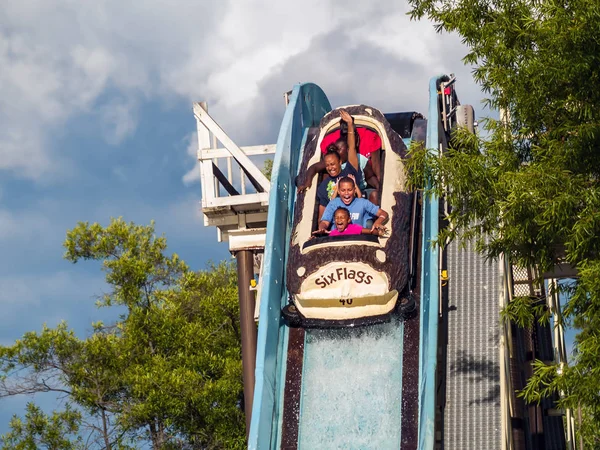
472	412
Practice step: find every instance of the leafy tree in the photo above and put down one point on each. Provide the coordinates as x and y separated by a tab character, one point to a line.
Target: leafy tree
167	372
267	168
532	186
42	431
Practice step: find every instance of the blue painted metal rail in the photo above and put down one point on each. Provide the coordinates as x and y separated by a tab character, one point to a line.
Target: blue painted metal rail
430	267
307	105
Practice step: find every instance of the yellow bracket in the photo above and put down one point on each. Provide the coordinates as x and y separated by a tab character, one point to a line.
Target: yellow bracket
444	277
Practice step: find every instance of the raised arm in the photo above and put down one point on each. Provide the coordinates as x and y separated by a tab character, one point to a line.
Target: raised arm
352	155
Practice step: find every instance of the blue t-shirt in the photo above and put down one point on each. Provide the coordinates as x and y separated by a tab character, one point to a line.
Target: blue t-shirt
325	189
360	209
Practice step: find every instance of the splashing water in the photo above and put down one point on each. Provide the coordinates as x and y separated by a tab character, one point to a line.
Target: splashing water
352	388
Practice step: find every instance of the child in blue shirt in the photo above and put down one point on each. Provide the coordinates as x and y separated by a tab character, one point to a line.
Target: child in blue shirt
360	209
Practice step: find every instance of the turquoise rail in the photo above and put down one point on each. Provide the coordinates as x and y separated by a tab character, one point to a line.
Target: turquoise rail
430	268
307	105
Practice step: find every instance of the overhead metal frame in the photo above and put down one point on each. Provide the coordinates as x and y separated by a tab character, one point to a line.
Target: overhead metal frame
237	210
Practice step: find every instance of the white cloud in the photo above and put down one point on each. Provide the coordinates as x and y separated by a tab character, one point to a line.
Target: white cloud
66	58
407	40
192	176
118	119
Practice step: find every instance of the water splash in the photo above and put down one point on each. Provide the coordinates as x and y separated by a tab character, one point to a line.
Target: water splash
352	388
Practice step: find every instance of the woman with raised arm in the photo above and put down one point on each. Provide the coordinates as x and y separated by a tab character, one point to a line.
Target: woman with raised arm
333	166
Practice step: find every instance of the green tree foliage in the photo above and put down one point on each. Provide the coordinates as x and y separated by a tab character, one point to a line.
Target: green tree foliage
532	184
39	430
167	373
267	168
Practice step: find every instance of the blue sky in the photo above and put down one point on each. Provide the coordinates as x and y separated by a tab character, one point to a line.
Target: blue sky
95	106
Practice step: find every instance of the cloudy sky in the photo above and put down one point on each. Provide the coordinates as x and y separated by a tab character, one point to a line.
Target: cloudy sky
95	107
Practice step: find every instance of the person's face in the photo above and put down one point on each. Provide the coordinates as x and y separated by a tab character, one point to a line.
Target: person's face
342	150
346	192
342	219
333	165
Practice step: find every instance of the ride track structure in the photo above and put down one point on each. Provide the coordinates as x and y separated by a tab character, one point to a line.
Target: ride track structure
282	351
402	384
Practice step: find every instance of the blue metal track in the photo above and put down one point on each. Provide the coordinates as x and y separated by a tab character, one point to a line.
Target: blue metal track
429	311
307	105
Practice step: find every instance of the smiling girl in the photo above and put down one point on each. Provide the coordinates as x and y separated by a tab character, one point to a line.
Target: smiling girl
344	227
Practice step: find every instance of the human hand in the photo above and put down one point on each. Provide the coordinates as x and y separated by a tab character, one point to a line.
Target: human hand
320	232
345	116
379	230
304	187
